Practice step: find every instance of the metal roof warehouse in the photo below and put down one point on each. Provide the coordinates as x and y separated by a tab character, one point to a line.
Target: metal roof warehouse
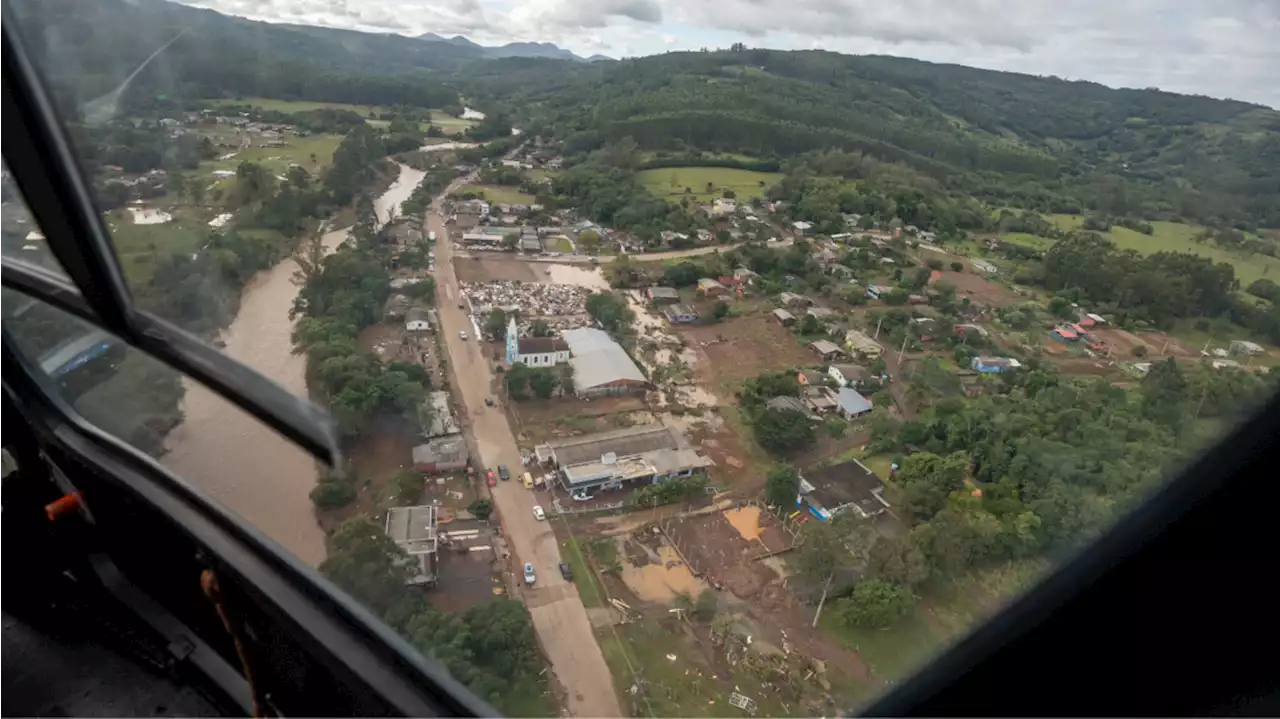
607	460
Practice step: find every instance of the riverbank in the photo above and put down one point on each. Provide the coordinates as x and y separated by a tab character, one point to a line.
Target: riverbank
231	456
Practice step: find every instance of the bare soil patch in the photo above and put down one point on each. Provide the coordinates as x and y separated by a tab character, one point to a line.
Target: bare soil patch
744	347
470	269
982	290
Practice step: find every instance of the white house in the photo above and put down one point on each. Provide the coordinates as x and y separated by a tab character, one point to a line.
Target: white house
724	206
415	320
984	266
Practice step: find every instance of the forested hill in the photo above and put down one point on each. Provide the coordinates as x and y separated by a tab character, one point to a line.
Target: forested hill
1153	153
88	47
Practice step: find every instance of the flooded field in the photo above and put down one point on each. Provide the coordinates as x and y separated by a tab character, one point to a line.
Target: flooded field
661	580
580	276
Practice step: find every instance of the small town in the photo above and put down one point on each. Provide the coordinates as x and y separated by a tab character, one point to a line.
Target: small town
696	411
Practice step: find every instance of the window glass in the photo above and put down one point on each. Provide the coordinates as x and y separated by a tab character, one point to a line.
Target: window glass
20	236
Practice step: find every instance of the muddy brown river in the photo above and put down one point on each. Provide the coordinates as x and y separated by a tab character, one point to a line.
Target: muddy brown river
230	455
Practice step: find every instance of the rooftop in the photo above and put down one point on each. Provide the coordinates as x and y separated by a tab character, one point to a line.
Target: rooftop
622	442
852	402
541	345
598	360
669	293
851	371
825	347
441	450
848	483
413	528
791	404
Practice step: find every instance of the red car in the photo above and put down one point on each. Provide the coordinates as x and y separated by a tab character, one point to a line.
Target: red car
492	482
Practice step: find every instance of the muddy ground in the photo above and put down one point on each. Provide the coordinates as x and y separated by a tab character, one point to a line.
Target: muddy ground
742	348
981	290
474	269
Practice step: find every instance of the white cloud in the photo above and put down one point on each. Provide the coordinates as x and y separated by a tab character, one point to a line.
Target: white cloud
1224	49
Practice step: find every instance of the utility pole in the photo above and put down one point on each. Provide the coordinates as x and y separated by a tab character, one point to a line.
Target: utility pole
877	334
903	348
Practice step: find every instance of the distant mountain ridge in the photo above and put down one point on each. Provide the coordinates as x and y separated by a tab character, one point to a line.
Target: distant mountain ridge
512	49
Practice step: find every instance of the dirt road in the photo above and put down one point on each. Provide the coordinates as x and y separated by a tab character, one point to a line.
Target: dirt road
558	615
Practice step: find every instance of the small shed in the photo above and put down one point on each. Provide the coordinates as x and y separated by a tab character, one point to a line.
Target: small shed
785	318
662	295
827	349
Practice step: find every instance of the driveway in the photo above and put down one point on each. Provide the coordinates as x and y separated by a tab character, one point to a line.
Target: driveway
558	615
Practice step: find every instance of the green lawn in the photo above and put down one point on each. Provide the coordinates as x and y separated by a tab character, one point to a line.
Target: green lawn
560	244
278	159
943	614
584	579
1176	237
1027	240
496	193
138	246
670	182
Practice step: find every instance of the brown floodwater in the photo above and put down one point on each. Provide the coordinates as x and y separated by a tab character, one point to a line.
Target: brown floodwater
231	456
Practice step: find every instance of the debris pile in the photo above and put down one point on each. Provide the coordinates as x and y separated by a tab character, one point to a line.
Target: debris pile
531	299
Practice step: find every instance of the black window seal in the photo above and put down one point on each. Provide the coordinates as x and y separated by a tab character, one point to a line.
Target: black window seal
294	417
415	684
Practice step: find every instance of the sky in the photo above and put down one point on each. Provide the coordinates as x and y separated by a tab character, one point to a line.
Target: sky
1220	48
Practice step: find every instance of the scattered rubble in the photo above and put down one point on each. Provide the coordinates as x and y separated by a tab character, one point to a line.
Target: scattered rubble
531	299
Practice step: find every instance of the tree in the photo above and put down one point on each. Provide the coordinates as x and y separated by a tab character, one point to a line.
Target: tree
783	431
333	494
897	560
836	426
809	325
366	563
408	486
495	325
1060	307
705	607
611	312
876	604
927	479
540	328
781	487
896	297
934	263
1140	351
720	310
543	382
481	508
957	267
589	240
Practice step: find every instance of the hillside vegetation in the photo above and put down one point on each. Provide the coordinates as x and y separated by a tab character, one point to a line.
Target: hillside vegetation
1039	143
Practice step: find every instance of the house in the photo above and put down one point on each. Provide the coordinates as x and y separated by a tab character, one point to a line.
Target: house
984	266
802	227
662	295
848	375
724	206
827	350
413	529
918	299
534	351
1245	347
875	292
965	329
808	377
862	345
530	244
680	314
990	365
820	399
600	366
396	306
792	404
846	487
821	313
824	257
1064	333
791	299
623	457
711	287
851	404
442	454
744	275
415	320
704	236
785	318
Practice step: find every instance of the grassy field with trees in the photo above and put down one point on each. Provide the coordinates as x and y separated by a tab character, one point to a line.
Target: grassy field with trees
707	183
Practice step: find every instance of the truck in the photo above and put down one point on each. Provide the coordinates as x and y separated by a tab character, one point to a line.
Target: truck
431	236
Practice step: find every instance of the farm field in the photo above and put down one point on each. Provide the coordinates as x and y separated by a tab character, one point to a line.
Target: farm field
560	244
277	160
138	246
495	193
1176	237
670	182
450	124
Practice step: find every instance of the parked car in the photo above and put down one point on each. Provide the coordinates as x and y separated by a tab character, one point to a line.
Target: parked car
492	480
580	496
502	472
488	401
463	334
566	571
538	514
529	576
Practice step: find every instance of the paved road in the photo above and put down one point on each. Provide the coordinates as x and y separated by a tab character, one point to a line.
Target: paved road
558	615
